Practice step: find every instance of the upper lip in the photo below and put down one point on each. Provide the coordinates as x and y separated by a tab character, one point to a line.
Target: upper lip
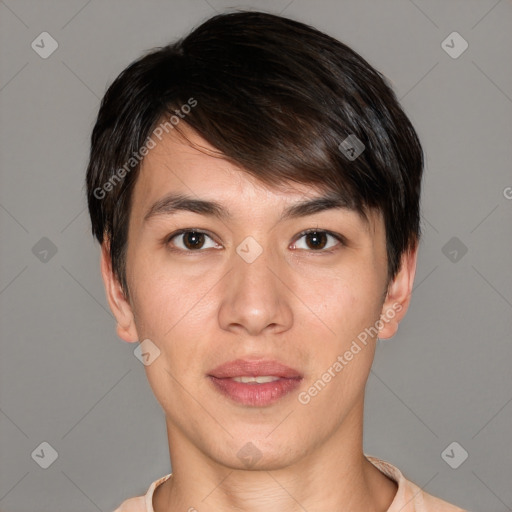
254	368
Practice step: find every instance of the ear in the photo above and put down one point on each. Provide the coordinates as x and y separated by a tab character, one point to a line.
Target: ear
119	306
398	295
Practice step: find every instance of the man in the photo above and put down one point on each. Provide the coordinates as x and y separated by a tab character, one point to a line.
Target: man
255	188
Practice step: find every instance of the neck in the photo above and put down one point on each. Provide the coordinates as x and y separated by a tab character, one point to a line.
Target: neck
332	476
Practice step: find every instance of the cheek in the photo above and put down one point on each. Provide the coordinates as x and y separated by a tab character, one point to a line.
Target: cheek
172	308
170	313
343	359
349	304
165	296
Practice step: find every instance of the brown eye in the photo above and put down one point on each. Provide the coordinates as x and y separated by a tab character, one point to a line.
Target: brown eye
317	240
193	240
190	240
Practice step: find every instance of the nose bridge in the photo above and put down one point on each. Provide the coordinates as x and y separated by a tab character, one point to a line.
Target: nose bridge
252	263
254	296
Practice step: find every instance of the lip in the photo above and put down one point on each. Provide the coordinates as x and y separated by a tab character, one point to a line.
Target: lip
254	394
254	368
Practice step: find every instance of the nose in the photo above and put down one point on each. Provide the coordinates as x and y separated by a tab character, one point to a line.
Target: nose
257	292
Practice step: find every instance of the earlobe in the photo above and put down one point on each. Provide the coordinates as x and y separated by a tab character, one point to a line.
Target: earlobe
117	301
398	295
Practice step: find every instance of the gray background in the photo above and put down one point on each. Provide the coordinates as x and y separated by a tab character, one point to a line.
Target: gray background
67	380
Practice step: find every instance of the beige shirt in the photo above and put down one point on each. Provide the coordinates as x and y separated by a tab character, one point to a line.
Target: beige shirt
409	497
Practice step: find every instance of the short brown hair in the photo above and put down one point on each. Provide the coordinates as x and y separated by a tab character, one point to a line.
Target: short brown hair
275	96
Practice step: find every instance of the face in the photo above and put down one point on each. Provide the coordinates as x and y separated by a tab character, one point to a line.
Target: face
252	287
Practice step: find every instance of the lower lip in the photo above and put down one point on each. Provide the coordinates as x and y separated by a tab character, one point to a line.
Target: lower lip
257	395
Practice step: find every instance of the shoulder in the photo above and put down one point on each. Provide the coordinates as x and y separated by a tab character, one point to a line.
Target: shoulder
410	497
142	503
136	504
425	502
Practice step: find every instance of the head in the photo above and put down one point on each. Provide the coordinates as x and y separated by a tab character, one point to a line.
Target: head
255	113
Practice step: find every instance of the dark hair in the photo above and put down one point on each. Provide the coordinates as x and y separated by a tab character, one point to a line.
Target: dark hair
275	96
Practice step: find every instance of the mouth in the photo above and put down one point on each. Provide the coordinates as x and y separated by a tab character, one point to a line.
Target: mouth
254	383
263	379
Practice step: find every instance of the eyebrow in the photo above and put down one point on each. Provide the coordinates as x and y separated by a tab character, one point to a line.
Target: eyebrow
175	202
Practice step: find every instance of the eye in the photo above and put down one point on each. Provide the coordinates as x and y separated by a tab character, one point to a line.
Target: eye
190	240
317	240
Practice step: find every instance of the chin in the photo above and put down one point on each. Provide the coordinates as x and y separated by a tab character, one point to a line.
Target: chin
258	453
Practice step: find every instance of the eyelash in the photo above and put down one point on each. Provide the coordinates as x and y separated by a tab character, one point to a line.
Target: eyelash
167	240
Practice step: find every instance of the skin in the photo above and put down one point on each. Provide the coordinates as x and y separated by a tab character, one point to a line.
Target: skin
295	303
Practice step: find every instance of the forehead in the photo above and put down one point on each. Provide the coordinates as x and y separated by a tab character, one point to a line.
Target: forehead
184	172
